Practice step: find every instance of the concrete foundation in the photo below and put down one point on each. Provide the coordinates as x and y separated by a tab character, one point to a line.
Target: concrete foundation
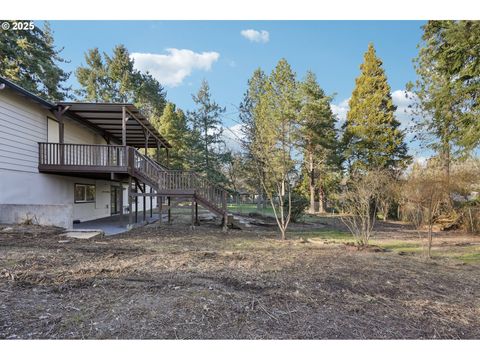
57	215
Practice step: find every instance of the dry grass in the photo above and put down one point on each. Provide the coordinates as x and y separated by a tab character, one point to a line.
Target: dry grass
172	282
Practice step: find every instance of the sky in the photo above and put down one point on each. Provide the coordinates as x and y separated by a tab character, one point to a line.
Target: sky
180	54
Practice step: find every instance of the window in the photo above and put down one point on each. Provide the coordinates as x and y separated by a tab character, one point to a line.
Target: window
84	193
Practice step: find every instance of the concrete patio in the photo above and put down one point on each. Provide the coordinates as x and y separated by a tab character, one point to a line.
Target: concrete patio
111	225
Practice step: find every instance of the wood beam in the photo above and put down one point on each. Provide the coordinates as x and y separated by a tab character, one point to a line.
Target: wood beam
145	127
124	126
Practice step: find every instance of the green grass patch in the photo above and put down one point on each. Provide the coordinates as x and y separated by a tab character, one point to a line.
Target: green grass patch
250	208
469	257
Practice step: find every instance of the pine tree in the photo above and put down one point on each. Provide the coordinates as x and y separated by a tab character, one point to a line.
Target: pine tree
31	60
446	92
114	79
93	78
372	135
248	112
207	142
318	139
276	126
173	127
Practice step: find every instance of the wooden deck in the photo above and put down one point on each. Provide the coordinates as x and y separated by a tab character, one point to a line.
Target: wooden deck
127	164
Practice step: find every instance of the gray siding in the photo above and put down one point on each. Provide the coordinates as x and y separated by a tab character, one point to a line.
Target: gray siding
22	125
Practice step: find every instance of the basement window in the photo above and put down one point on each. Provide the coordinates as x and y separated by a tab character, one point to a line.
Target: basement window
84	193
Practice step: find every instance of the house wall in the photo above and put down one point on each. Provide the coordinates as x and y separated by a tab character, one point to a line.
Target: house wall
27	194
22	125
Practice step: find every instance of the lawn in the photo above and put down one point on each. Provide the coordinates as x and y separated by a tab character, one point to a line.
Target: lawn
170	282
245	209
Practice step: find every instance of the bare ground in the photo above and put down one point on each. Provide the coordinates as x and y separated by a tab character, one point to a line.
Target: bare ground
173	282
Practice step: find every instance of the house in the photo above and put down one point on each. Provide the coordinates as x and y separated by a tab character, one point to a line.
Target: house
68	162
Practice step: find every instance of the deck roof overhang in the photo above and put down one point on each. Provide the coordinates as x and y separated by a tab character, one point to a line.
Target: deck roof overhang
107	120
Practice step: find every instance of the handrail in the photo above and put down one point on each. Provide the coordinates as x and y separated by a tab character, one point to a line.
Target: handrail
146	166
204	188
130	159
82	155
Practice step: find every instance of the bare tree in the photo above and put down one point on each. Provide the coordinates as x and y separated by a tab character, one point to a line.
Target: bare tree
360	202
425	193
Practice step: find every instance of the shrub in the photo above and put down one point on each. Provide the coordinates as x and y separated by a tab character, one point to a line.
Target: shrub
299	204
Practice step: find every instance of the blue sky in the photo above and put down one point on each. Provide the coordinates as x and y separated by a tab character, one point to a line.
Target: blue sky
218	52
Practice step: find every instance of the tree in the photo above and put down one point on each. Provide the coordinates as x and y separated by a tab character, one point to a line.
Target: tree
114	79
31	59
275	130
318	138
372	135
207	128
424	193
360	201
447	91
173	127
249	111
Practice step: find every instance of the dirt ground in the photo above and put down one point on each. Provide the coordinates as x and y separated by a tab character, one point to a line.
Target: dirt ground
173	282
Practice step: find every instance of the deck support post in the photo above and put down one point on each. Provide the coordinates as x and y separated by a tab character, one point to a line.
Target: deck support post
58	112
124	126
160	208
144	203
130	201
151	202
136	203
169	210
193	213
121	217
196	214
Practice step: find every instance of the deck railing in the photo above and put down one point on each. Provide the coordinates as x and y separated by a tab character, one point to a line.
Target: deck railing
189	180
145	166
66	157
82	155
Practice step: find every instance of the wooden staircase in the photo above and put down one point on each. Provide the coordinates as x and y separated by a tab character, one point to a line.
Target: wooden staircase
181	184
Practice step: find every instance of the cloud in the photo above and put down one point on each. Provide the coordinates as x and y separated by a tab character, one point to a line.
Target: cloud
172	68
261	36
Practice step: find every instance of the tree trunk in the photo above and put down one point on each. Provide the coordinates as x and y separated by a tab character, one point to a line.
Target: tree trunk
446	160
321	200
429	248
311	182
259	199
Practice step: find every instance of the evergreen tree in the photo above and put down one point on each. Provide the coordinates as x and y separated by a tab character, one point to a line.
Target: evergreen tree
448	88
114	79
173	127
207	142
372	135
31	60
318	139
276	126
248	112
93	78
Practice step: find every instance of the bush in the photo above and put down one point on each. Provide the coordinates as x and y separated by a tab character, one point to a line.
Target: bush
299	204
